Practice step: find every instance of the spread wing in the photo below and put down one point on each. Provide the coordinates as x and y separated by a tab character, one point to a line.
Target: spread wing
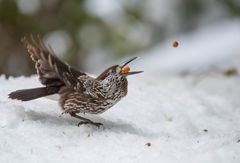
51	70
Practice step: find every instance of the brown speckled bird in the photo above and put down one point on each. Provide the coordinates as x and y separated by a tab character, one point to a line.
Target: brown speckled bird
79	92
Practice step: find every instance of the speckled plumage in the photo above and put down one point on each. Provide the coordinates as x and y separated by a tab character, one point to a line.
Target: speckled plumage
79	92
98	96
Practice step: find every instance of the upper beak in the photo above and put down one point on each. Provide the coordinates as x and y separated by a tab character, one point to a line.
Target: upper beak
126	63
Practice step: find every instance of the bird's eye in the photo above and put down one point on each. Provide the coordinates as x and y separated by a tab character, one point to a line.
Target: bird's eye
114	70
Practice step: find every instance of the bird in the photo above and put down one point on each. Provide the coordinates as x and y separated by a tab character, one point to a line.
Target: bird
79	92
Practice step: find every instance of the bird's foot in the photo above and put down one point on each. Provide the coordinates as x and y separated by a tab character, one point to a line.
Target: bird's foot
98	125
61	114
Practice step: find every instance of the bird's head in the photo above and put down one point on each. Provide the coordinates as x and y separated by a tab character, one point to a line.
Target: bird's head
119	71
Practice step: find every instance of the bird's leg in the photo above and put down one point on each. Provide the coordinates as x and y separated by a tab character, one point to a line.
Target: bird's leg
85	120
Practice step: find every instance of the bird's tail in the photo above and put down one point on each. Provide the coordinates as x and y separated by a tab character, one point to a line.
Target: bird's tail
31	94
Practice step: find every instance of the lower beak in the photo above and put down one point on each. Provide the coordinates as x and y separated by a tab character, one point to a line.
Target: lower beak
133	72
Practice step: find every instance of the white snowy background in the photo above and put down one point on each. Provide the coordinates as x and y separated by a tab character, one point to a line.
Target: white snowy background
191	118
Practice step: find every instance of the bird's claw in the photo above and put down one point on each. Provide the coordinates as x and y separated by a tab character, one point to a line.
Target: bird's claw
98	125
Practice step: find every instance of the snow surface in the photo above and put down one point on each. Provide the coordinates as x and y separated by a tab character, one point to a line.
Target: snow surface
187	119
169	112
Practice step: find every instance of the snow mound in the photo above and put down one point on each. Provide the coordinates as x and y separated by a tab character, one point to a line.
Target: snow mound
185	119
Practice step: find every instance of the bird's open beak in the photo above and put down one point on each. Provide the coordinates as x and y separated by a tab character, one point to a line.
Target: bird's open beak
126	69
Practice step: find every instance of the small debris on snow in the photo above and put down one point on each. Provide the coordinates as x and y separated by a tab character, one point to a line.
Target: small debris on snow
205	130
169	119
148	144
230	72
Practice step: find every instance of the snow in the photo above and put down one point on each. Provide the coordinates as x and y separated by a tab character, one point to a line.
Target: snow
187	119
169	112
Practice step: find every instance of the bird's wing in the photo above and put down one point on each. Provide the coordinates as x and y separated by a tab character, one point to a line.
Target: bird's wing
51	70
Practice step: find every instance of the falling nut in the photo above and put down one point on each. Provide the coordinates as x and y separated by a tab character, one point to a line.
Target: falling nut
175	44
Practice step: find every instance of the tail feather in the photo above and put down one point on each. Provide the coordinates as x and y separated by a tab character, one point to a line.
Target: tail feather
31	94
